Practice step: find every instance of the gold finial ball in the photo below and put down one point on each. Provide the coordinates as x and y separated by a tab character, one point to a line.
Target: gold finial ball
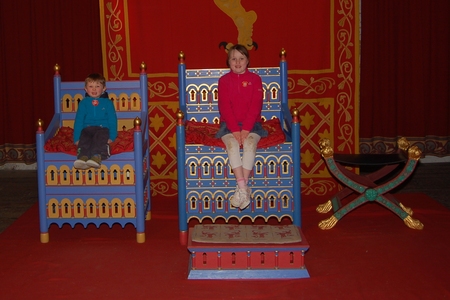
143	66
181	55
40	123
56	68
137	121
180	115
283	52
295	112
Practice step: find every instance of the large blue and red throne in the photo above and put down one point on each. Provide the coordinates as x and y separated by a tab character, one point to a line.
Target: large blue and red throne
206	181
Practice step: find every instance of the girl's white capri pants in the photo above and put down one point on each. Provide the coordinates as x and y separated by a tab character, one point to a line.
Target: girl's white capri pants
249	150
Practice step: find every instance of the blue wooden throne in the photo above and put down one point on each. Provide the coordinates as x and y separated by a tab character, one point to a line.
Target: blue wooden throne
206	181
116	193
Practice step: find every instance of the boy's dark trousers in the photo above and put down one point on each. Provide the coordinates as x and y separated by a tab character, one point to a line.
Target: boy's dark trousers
94	140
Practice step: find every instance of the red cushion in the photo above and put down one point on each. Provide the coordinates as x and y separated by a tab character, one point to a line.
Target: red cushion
204	133
63	142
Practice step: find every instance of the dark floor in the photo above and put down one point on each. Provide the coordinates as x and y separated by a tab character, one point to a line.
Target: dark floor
18	189
18	192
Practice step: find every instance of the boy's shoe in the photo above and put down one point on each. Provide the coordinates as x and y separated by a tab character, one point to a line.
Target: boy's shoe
244	195
80	163
235	200
95	161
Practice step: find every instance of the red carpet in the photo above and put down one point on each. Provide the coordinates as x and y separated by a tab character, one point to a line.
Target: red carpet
369	254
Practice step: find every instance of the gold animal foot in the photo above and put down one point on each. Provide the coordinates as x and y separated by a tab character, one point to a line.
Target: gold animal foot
324	208
328	223
413	223
408	210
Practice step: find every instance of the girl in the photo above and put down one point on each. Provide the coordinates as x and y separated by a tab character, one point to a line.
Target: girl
240	104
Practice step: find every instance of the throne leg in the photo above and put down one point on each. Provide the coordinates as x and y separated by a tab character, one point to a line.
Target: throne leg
140	237
44	237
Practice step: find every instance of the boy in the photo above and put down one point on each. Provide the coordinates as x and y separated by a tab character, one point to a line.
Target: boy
95	124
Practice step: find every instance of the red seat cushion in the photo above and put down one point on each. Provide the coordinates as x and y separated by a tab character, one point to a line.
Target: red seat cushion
204	133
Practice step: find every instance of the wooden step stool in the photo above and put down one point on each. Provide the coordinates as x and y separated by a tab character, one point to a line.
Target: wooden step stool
247	260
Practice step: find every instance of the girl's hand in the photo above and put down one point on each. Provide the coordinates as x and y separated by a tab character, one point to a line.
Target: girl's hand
237	136
109	141
244	135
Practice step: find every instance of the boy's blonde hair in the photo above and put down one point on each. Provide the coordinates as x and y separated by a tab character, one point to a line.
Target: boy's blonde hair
95	77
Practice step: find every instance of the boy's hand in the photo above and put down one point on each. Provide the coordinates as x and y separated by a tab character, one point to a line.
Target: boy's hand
109	141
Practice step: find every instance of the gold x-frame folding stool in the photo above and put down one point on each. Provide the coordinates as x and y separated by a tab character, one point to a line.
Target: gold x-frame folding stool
365	186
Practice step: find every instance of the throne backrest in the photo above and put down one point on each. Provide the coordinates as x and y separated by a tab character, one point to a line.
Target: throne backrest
126	96
201	96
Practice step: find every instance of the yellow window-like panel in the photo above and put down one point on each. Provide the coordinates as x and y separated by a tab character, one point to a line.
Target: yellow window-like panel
129	208
128	174
135	102
116	208
115	175
89	176
103	208
66	208
53	208
91	208
78	208
102	175
52	175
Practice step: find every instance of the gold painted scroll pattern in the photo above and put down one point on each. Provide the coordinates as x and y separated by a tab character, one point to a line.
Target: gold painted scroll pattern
115	40
345	99
163	90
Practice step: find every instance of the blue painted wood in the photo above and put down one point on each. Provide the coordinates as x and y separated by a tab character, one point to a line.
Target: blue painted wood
249	274
180	132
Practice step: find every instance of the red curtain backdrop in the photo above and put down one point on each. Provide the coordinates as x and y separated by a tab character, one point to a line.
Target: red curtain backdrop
35	35
405	77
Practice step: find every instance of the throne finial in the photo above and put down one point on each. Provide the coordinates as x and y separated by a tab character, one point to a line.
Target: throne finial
283	54
143	66
181	57
56	68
